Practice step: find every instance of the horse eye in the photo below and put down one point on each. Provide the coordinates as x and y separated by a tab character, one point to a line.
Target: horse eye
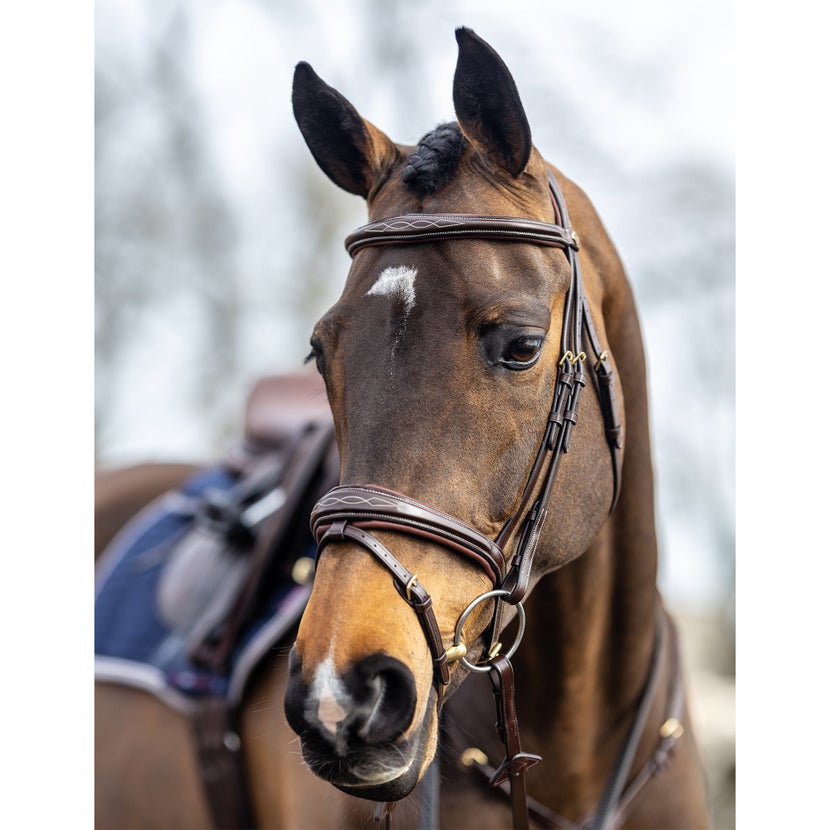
316	354
522	352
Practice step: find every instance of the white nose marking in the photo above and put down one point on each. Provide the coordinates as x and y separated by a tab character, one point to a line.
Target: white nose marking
397	282
327	689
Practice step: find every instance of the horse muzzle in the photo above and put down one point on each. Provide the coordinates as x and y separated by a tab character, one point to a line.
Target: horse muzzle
356	727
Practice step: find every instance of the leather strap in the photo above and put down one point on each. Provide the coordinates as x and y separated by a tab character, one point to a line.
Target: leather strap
382	814
610	798
671	730
434	227
372	507
415	595
218	749
615	802
516	762
272	497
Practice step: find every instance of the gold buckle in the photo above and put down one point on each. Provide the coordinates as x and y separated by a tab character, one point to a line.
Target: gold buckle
494	652
410	585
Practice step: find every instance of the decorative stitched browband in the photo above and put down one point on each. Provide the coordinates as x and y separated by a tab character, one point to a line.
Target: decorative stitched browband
434	227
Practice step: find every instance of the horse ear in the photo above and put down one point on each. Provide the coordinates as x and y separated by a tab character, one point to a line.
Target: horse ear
487	104
349	150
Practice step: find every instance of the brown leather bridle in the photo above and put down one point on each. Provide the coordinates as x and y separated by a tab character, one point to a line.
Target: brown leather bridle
352	512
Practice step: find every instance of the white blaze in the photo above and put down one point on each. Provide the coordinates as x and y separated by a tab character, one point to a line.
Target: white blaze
327	689
397	282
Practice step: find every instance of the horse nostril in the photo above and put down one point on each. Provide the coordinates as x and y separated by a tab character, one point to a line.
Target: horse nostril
296	695
383	689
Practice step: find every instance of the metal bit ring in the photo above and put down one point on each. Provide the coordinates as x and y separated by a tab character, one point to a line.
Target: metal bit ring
466	613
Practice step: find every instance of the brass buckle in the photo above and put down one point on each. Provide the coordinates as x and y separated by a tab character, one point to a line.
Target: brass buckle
570	357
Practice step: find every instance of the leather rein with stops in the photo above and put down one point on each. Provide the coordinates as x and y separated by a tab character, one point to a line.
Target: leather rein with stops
352	512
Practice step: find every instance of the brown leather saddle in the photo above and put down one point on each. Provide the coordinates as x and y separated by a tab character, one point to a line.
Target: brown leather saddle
218	571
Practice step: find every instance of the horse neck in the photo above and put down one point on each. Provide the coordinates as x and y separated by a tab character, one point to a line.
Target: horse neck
586	655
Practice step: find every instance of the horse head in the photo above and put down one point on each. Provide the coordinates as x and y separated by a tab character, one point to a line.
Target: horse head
453	390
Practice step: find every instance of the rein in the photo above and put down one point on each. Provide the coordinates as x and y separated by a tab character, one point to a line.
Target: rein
353	512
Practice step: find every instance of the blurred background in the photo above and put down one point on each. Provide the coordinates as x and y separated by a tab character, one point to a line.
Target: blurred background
218	242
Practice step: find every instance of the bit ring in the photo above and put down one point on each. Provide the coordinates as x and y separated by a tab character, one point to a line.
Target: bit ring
466	613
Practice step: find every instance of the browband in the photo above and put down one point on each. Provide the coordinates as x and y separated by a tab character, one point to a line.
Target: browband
433	227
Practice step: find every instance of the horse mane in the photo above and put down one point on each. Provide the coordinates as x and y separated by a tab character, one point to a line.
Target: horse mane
435	159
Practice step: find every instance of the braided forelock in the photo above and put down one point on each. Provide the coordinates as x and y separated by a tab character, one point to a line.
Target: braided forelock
432	164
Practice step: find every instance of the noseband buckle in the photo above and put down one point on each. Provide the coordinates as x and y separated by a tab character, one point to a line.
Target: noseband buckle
409	586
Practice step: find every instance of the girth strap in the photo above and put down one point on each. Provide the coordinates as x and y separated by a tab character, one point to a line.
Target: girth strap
221	766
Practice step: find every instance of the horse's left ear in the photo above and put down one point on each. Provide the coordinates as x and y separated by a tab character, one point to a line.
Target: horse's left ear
351	151
487	104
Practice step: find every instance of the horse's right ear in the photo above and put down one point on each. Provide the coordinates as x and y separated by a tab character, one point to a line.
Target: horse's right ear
349	150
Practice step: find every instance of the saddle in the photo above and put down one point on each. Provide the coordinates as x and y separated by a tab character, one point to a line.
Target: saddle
198	588
255	533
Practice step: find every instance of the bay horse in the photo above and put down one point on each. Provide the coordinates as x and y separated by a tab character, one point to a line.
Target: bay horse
485	371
